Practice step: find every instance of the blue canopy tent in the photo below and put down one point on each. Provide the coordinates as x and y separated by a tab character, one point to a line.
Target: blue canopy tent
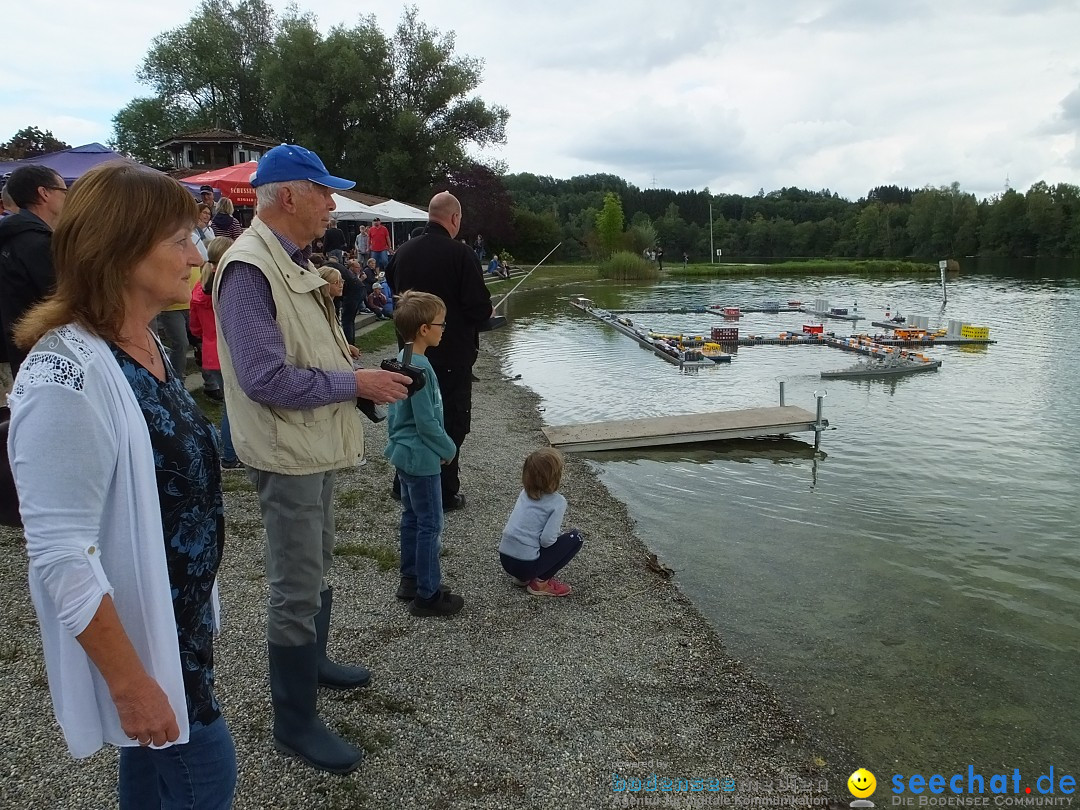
71	164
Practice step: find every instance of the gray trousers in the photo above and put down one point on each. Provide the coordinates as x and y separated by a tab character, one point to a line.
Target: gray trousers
174	325
298	517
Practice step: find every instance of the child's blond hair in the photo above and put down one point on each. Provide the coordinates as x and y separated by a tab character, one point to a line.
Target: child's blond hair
542	472
214	251
413	309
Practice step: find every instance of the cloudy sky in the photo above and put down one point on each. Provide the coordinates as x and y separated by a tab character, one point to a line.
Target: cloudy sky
735	96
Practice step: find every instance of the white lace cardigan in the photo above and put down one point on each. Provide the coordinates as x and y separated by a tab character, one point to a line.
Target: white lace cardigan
84	469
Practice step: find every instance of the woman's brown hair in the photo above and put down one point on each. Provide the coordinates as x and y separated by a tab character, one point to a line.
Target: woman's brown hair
112	219
542	472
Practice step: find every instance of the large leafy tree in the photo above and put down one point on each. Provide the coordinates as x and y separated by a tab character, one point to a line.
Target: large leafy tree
145	122
30	142
212	65
395	113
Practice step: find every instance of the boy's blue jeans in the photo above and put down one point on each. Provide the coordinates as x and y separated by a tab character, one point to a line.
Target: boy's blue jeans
421	525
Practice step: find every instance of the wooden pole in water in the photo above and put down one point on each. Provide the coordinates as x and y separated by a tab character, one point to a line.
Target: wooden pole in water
819	424
944	293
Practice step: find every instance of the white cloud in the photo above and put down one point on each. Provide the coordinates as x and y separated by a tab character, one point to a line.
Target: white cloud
844	94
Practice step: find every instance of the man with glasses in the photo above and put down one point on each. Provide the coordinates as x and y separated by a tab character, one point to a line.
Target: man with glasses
26	269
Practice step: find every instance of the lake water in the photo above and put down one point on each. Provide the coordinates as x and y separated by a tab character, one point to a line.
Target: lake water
913	590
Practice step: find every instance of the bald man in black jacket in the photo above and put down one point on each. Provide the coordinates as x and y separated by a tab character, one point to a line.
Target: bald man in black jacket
436	263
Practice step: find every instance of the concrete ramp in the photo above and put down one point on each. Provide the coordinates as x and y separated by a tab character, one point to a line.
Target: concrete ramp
665	430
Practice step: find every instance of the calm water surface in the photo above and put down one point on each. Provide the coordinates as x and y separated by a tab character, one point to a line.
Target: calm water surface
915	589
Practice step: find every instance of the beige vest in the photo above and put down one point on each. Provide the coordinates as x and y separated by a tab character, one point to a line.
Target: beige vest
283	440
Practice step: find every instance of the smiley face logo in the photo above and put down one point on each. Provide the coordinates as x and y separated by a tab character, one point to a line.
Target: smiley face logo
861	783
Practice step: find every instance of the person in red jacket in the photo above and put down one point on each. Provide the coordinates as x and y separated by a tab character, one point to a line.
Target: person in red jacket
379	243
203	326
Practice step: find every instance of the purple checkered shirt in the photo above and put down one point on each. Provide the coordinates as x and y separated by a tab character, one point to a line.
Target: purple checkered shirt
247	313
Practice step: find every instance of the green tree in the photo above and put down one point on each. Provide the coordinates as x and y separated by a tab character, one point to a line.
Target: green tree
30	142
870	232
485	205
1005	231
212	65
641	235
1067	197
138	128
803	240
609	224
396	113
782	237
1045	220
535	234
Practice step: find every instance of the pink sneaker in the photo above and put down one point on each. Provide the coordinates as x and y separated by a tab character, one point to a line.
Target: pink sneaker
549	587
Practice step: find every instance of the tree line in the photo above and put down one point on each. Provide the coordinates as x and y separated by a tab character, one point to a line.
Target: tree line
890	222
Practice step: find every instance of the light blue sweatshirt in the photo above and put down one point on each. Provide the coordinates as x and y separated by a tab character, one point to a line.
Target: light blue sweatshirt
532	524
418	442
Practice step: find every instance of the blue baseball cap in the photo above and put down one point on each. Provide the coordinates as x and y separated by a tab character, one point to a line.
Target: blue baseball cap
290	162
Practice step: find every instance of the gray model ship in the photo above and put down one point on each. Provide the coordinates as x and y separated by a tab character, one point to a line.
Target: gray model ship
889	366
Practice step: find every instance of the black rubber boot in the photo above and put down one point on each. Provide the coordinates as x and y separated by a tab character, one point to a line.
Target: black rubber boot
331	675
298	730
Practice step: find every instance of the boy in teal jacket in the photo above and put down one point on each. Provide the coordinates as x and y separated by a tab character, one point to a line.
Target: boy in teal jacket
418	447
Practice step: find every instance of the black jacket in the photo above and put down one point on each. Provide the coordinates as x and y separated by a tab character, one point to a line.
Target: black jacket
352	289
333	239
26	273
437	264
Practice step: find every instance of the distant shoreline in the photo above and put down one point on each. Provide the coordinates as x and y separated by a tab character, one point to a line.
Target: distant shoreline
805	267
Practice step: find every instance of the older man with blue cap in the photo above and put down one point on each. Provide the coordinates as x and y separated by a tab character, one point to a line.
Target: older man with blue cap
291	391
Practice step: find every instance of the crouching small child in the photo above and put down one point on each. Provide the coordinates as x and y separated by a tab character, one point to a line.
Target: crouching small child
532	551
418	447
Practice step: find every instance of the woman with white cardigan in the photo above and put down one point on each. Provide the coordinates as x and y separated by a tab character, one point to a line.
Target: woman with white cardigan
120	494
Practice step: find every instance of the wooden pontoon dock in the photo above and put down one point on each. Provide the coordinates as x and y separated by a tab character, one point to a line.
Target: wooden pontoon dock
658	431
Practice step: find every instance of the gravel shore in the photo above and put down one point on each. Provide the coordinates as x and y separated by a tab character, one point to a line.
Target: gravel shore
518	702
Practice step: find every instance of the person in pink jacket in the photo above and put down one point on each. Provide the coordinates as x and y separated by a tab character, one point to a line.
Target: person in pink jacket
204	326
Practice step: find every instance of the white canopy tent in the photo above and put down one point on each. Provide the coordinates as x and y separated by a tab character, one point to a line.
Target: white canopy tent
400	212
389	211
351	209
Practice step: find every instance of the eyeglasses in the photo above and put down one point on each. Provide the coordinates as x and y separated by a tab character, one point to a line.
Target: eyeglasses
443	324
55	188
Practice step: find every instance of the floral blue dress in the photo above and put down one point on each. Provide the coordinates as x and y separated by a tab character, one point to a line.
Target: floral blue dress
192	520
